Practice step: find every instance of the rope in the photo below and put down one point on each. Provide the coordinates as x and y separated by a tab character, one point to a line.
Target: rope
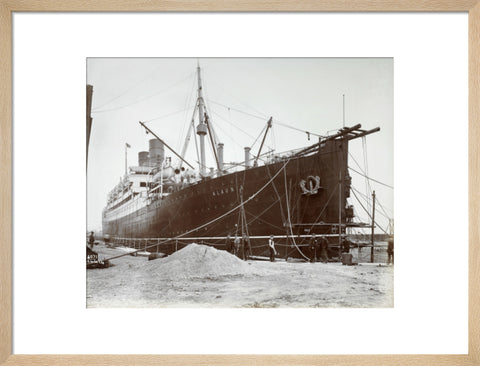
142	99
232	124
383	208
278	196
376	181
188	101
324	207
353	191
384	214
211	77
288	215
260	214
168	114
296	129
212	221
235	141
259	117
237	110
127	90
260	134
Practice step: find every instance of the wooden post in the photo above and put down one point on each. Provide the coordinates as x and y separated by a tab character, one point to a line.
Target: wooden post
373	227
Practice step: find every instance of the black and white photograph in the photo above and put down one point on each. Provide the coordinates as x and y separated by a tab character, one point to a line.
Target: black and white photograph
240	182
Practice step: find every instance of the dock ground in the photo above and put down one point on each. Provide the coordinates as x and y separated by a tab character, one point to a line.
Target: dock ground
200	276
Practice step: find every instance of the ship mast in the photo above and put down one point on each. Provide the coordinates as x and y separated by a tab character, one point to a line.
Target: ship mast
202	127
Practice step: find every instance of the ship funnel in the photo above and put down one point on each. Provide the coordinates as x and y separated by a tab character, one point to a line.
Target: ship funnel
247	157
157	152
220	157
143	158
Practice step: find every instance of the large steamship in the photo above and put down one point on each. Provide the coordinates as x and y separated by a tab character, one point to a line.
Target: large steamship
291	195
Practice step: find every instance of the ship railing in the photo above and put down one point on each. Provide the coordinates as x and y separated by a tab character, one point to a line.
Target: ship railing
155	244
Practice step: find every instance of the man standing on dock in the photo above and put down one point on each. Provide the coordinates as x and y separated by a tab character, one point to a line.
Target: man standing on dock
236	246
271	247
246	247
229	244
91	239
323	249
390	251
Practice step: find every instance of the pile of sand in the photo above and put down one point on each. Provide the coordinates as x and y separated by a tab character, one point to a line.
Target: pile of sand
197	261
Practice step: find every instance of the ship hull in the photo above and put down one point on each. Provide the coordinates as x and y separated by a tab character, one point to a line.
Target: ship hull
300	195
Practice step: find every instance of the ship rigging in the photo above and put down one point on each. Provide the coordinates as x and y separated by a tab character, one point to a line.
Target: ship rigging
291	195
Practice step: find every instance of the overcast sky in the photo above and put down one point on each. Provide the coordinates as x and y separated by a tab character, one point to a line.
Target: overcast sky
305	93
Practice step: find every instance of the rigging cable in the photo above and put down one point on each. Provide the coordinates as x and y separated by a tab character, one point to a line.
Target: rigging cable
273	139
353	191
368	188
142	99
195	139
262	118
366	198
288	215
383	208
236	110
168	114
235	141
262	220
260	134
207	111
238	128
210	78
374	180
188	101
232	124
278	195
127	90
324	207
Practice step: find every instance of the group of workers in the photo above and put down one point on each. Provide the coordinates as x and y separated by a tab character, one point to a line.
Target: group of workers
318	249
241	248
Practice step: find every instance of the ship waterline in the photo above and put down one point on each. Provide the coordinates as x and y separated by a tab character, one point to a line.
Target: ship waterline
297	190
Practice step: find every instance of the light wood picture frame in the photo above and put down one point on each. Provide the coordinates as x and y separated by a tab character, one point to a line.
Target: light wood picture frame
8	7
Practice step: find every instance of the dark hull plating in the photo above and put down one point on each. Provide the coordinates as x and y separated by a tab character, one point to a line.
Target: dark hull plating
292	192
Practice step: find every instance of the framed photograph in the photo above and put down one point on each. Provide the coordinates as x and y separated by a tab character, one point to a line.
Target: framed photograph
265	195
248	167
